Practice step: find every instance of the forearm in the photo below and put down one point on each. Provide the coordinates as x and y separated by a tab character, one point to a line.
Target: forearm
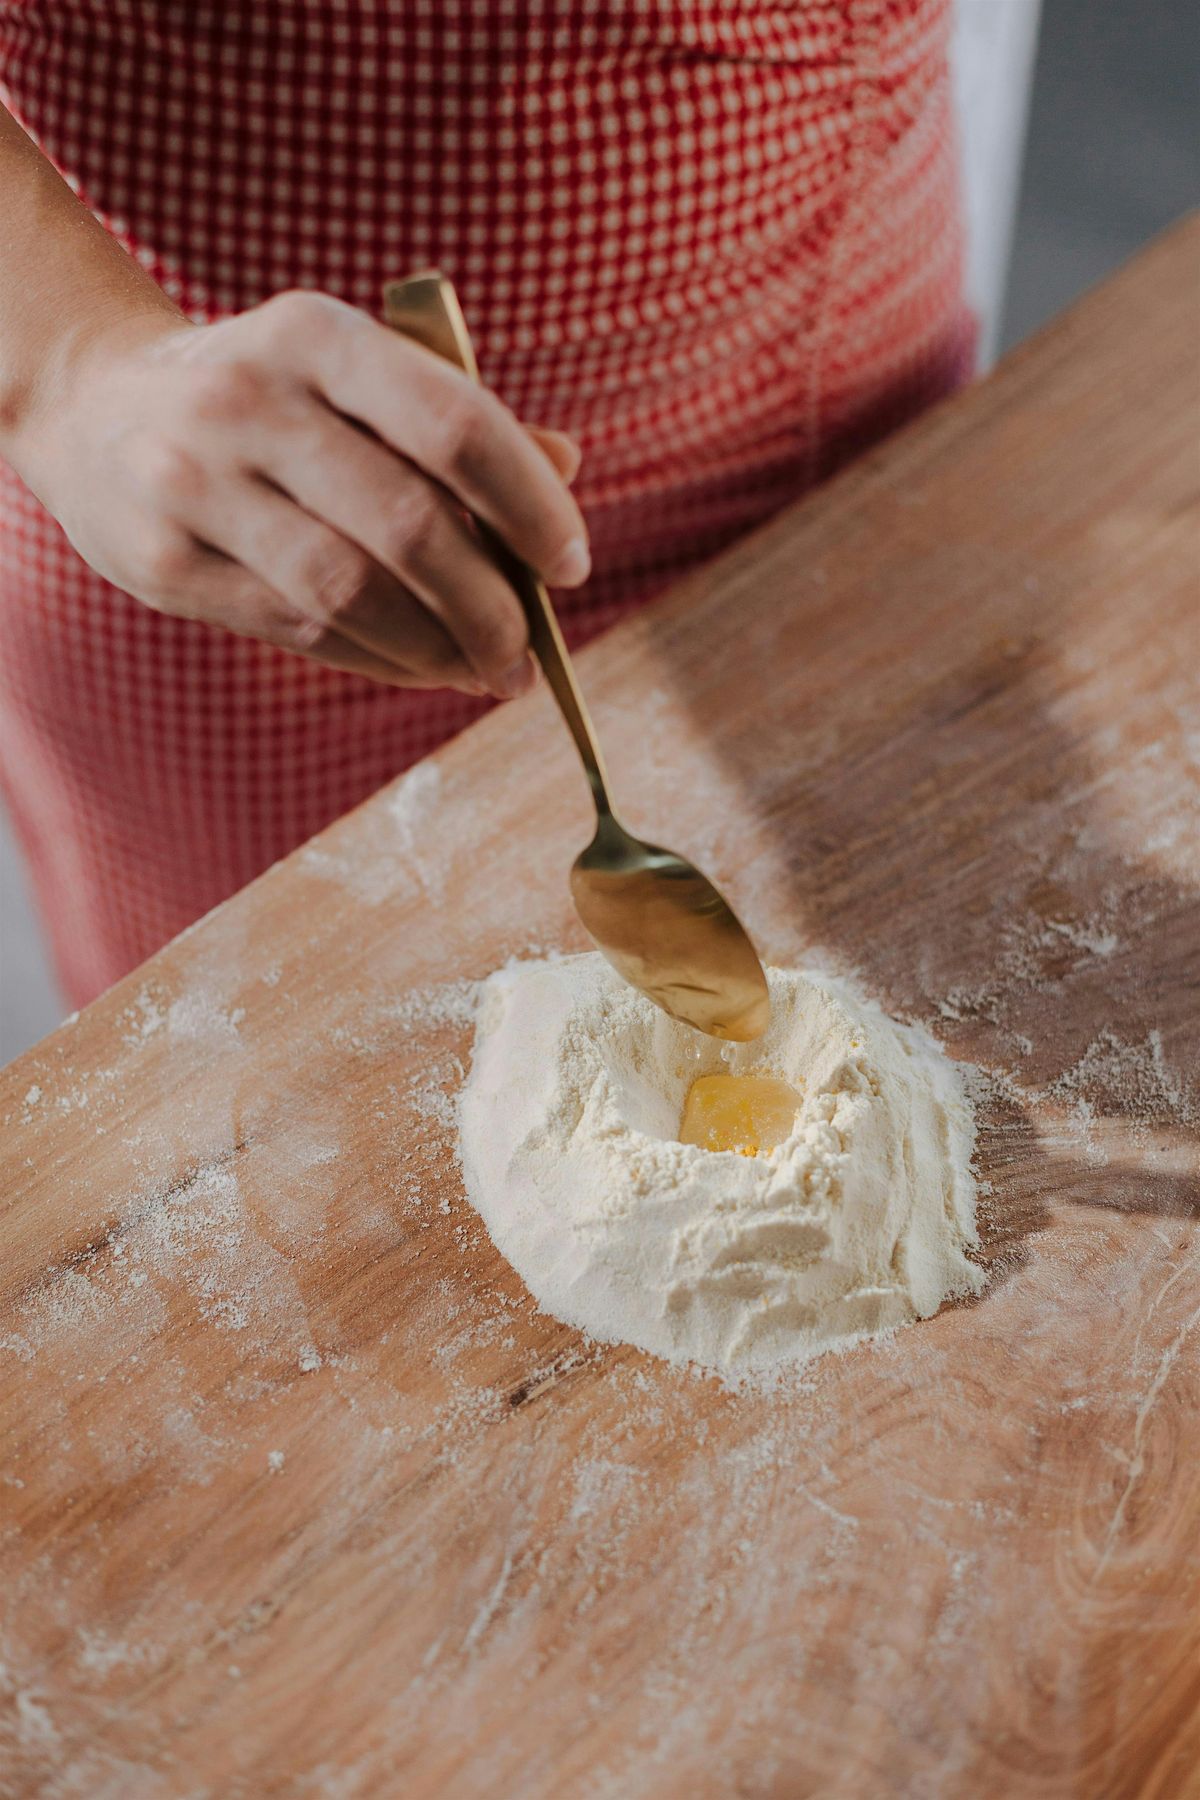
64	281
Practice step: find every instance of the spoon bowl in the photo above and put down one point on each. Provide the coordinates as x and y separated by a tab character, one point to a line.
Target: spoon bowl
658	920
665	927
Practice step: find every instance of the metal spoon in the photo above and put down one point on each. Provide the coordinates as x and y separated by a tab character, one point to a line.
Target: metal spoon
658	920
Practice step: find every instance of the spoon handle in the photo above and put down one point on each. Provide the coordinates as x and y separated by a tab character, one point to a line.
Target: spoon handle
426	308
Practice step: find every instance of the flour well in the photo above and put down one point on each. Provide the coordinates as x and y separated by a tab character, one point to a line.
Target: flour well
858	1222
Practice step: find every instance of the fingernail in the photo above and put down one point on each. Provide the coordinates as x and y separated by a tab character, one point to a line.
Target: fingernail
517	680
573	566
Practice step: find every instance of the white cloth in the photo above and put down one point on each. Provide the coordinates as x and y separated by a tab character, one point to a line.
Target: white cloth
992	56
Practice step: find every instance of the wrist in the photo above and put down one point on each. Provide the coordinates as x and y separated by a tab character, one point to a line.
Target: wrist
65	283
36	427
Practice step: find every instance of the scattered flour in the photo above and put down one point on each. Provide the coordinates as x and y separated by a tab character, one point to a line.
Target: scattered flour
197	1015
403	858
1099	943
410	805
142	1019
859	1222
100	1654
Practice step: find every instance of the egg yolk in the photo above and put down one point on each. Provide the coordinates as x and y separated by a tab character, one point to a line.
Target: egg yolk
744	1113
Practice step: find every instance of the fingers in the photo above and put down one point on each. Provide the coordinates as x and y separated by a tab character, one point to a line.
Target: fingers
411	528
189	503
337	587
193	581
562	450
433	414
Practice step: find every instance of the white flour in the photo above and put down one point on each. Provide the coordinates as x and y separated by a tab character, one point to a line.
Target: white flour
857	1223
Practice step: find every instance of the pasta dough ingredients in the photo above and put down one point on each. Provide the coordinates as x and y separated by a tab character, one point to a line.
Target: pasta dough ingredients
858	1220
746	1113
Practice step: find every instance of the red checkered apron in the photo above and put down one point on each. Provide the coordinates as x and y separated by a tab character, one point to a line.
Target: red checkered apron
715	240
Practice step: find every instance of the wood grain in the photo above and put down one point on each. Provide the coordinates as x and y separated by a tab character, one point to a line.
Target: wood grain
300	1495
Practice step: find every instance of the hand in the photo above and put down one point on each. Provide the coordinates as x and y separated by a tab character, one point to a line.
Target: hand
299	474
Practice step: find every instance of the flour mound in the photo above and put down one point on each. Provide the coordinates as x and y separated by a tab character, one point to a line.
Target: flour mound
857	1223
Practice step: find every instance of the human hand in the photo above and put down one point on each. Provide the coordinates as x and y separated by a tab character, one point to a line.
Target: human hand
299	474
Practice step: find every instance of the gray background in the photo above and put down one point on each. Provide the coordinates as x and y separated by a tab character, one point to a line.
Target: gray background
1111	158
1113	151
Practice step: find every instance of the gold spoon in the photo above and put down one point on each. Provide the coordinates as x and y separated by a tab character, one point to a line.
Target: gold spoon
658	920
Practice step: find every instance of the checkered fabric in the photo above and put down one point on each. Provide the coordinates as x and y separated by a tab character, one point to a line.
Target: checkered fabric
716	240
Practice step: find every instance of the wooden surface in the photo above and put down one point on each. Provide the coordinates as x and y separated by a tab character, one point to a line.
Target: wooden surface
302	1498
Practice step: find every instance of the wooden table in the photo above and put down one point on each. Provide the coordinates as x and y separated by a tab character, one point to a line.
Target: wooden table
303	1498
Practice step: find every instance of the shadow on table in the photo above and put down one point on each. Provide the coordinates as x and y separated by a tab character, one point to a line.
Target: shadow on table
935	831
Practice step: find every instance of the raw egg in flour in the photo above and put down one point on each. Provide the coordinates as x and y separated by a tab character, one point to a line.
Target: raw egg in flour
744	1113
